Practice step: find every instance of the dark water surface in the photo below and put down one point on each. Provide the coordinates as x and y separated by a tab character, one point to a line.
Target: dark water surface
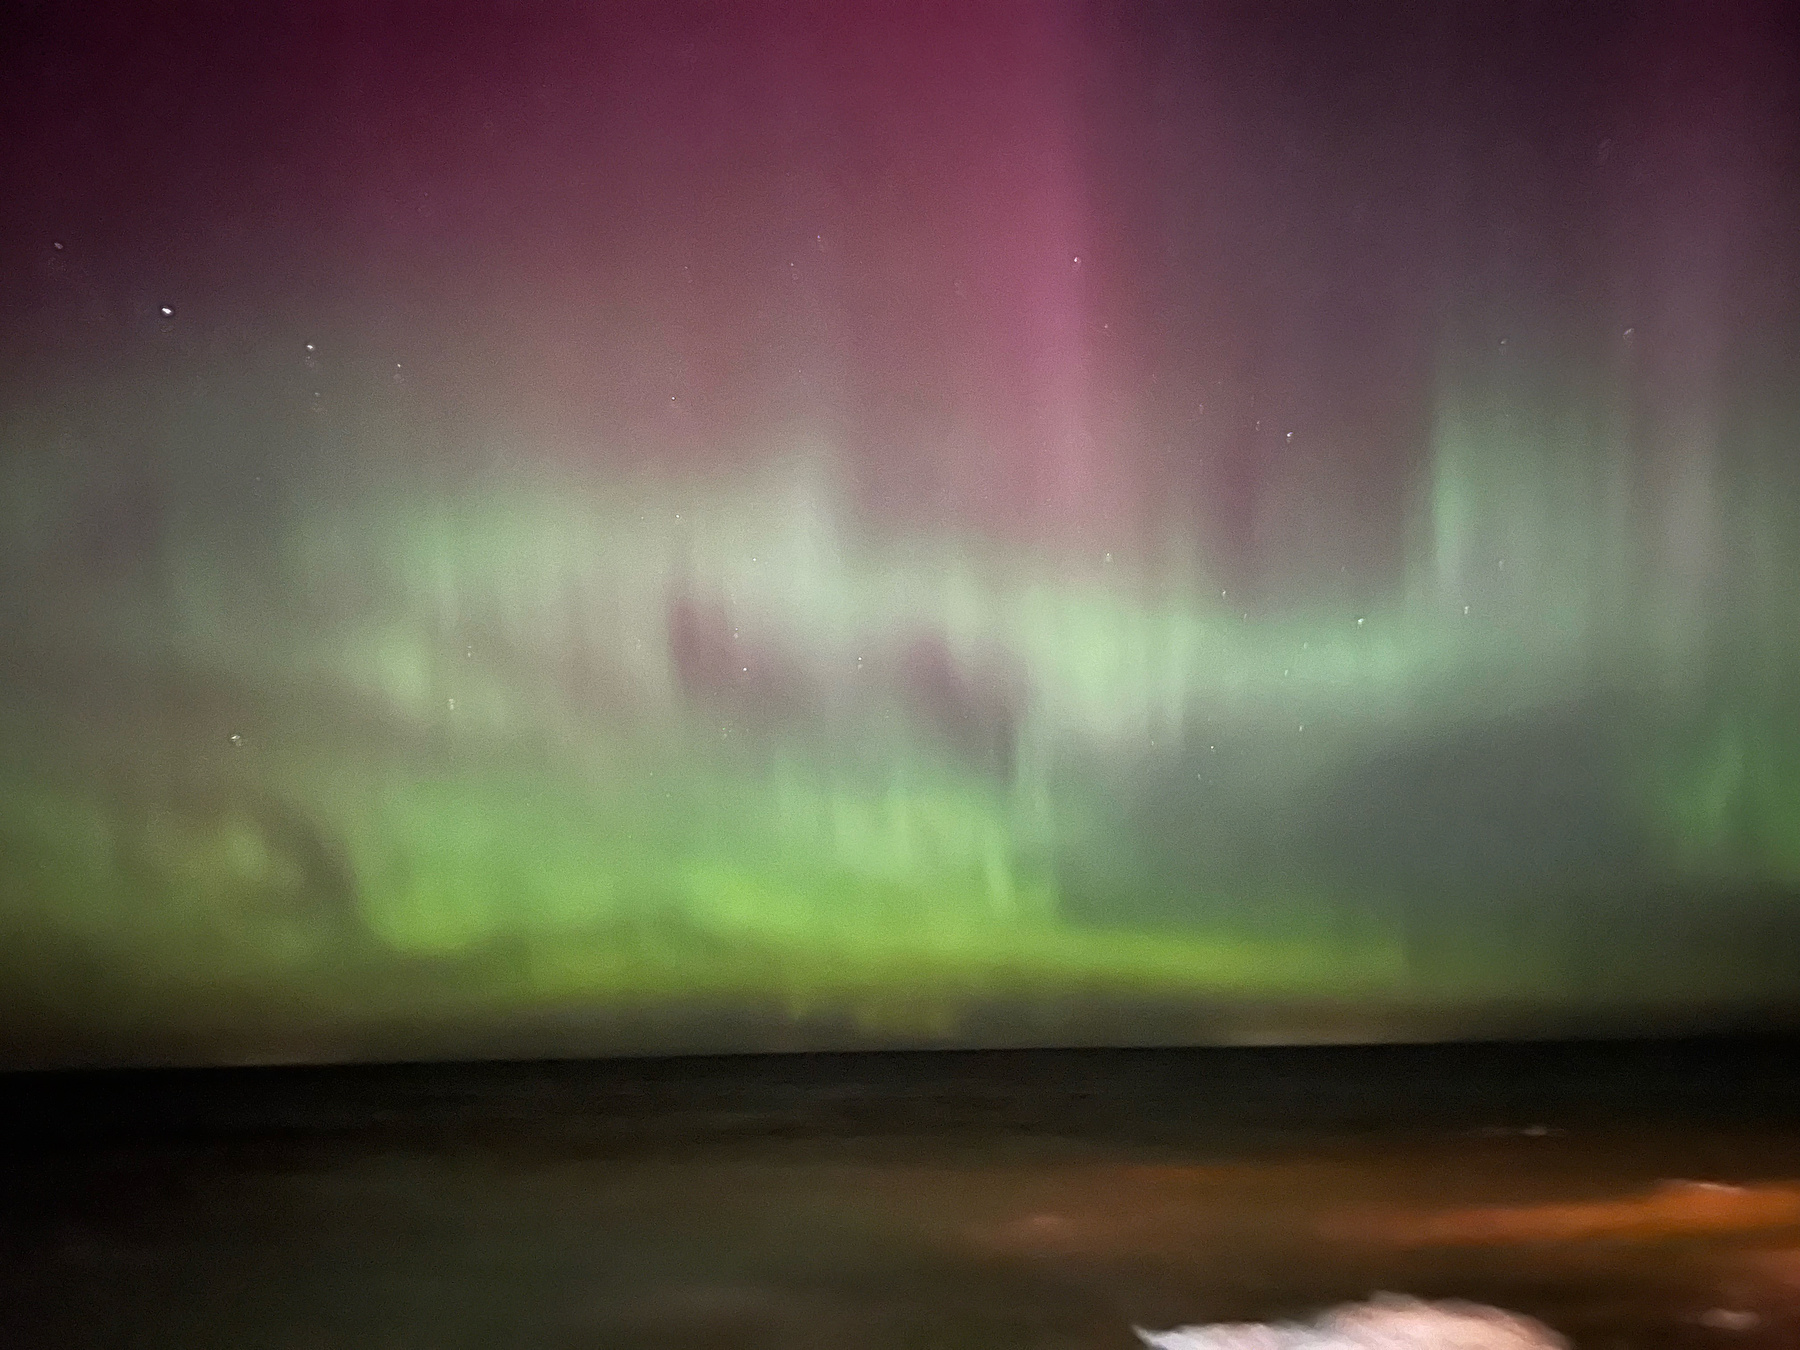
1631	1195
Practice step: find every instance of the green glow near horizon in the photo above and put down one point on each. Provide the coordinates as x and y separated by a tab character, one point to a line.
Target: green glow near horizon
535	819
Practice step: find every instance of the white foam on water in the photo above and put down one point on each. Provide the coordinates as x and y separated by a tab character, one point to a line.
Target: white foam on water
1386	1322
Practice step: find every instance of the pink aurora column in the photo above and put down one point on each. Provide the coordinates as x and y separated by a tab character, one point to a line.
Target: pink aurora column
1700	185
963	260
1033	242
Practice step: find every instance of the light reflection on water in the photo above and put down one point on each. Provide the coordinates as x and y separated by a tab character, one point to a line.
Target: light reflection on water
870	1241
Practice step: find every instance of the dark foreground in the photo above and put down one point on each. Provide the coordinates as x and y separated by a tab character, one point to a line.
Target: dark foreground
1631	1195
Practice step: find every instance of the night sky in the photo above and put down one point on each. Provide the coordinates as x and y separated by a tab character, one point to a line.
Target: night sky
661	525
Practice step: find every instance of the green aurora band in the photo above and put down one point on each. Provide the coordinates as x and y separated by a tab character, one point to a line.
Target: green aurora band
415	768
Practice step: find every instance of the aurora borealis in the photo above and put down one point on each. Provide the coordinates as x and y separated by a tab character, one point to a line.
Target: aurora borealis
616	527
